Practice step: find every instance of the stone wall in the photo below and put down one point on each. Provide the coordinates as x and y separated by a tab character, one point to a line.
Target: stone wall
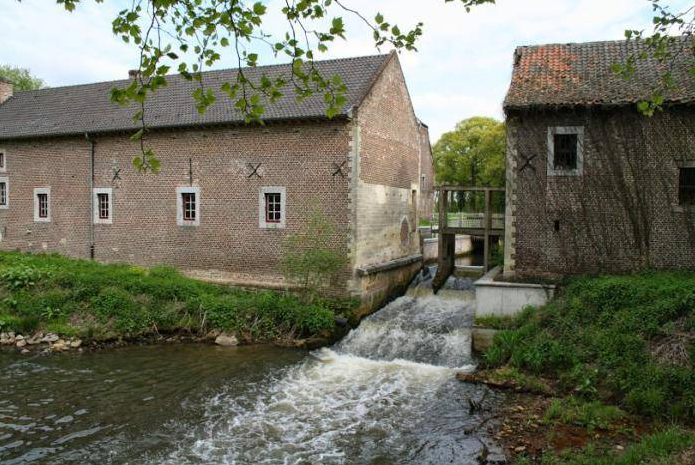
385	182
620	214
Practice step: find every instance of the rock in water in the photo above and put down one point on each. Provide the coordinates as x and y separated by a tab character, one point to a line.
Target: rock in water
226	340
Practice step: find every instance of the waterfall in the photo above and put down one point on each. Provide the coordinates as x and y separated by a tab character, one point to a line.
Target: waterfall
386	393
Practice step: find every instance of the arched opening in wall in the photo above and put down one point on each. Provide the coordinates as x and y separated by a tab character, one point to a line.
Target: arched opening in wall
405	233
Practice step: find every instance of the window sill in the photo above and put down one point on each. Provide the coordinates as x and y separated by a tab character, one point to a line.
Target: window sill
272	226
565	173
675	208
189	224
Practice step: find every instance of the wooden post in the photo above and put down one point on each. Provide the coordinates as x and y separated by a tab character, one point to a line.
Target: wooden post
486	242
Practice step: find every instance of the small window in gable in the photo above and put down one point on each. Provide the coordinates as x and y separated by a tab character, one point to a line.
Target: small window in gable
4	193
565	151
271	207
42	204
103	205
3	157
686	186
188	206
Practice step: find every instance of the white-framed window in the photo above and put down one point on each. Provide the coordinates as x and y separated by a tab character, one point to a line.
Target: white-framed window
3	160
566	151
271	207
42	205
188	206
4	193
103	205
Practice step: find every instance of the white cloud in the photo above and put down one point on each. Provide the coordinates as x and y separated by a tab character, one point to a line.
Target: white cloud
462	68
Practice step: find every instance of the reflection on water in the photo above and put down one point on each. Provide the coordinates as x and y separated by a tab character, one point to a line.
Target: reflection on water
385	394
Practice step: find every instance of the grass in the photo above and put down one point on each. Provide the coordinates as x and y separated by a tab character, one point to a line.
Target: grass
495	322
96	301
524	381
661	447
588	414
598	337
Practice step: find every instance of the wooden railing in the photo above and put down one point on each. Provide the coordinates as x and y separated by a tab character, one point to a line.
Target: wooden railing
462	217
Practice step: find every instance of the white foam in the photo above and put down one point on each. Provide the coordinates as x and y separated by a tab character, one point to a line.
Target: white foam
368	390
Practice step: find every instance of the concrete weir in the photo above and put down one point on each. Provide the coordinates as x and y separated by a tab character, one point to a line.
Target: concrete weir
502	298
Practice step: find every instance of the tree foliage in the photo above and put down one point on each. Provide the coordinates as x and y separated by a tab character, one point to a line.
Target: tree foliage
664	44
191	35
472	154
21	78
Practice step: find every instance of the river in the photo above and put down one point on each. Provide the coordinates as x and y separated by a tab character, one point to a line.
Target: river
384	394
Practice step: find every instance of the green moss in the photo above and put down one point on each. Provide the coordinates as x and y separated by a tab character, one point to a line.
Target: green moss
72	297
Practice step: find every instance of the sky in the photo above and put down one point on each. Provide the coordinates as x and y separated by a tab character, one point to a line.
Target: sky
462	67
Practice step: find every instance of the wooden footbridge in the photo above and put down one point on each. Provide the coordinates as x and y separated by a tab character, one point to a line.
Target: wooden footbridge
473	211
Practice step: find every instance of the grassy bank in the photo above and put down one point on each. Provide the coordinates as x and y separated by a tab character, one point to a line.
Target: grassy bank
607	343
81	298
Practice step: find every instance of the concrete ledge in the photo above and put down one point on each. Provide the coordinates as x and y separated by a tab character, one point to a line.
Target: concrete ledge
390	265
496	298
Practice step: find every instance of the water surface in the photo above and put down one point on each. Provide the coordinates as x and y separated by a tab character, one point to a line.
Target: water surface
385	394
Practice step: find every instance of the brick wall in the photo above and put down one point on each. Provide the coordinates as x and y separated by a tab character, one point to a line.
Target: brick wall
144	231
619	215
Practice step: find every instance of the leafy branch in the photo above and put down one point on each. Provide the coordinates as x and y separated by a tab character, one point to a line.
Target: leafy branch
193	35
671	38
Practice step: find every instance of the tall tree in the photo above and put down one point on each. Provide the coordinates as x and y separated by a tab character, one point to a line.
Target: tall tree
472	154
20	77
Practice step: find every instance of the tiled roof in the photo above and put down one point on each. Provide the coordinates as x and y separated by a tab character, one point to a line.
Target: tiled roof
581	74
87	108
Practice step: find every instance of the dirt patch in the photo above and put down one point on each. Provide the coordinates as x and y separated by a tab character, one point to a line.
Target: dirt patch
521	430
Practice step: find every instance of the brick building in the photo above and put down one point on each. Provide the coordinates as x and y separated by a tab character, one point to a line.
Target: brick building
592	184
228	193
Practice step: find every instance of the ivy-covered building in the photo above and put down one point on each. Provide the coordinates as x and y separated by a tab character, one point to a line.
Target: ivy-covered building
594	185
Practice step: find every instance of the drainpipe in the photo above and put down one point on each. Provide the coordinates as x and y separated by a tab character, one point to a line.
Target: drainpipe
92	143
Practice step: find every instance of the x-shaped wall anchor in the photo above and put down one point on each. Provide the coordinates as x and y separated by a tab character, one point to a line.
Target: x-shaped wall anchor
527	163
116	172
254	170
339	169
